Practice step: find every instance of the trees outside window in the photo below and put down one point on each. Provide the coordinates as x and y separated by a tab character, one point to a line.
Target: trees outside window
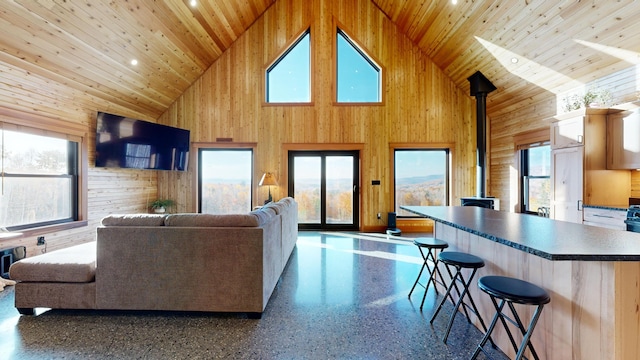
225	181
39	180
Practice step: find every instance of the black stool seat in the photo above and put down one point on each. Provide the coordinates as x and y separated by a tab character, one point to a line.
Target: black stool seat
460	259
432	245
513	290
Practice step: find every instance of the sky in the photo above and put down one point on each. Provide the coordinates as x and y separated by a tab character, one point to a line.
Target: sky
226	164
420	163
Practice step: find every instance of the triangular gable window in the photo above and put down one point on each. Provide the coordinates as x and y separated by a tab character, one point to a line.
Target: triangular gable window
358	76
289	77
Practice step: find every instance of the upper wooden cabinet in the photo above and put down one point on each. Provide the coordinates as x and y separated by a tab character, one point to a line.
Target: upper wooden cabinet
623	140
567	133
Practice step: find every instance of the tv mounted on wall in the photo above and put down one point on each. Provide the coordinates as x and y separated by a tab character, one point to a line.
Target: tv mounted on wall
122	142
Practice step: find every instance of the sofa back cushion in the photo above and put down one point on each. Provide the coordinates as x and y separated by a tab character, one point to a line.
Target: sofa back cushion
134	220
275	206
253	219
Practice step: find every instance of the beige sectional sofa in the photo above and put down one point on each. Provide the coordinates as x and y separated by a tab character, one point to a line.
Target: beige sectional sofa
176	262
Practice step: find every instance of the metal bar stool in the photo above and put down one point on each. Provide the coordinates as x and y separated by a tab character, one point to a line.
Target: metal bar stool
460	261
432	245
510	291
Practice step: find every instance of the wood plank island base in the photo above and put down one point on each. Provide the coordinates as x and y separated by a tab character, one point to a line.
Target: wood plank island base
591	273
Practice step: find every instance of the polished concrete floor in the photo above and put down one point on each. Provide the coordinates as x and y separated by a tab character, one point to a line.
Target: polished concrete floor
342	296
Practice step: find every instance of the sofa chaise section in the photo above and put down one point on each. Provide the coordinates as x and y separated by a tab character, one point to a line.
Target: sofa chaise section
61	279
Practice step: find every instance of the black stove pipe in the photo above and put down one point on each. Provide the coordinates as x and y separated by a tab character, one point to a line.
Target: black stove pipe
480	86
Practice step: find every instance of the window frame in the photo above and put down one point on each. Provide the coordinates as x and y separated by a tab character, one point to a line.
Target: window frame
525	176
522	141
44	126
448	148
364	52
281	55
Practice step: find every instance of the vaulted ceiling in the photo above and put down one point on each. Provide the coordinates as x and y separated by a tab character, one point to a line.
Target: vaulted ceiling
55	53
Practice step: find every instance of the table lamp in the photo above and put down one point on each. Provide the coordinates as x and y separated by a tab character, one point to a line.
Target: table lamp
268	179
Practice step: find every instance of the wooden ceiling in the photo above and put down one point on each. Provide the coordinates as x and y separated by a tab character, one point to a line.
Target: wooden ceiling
55	54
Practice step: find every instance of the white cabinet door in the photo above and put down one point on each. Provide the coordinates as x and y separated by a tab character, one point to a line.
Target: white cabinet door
567	133
567	183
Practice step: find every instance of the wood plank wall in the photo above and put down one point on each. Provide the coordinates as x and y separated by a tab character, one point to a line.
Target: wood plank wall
510	121
420	104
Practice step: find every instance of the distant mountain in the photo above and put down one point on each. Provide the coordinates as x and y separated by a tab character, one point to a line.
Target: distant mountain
418	179
336	183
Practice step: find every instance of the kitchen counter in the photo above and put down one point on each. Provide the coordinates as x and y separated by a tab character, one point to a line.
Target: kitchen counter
591	273
608	207
544	237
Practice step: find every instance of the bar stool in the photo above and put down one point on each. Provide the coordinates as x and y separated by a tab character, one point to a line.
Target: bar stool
432	245
459	261
510	291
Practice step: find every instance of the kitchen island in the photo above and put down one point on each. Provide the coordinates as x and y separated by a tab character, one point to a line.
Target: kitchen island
591	273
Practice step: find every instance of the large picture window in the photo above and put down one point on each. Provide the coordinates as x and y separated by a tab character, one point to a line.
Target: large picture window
225	180
39	180
421	178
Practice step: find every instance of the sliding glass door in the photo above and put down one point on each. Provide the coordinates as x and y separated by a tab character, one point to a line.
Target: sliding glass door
325	185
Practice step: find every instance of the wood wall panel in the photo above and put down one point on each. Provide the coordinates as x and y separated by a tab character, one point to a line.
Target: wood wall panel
420	103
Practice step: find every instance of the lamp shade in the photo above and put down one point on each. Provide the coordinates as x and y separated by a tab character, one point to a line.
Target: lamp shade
268	179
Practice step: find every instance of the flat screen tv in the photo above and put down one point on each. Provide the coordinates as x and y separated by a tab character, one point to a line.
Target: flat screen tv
122	142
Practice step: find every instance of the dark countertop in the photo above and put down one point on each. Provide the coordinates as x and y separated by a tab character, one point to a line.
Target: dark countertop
608	207
544	237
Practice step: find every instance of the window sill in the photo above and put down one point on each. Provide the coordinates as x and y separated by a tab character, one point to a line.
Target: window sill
48	229
287	104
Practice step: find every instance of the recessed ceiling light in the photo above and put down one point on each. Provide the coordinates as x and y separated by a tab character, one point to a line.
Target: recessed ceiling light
514	60
193	3
134	62
454	2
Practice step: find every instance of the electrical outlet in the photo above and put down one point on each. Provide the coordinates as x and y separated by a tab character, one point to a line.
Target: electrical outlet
379	217
41	240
